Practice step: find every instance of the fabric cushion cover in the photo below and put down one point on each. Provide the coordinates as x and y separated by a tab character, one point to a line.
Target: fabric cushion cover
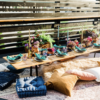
30	86
62	83
82	74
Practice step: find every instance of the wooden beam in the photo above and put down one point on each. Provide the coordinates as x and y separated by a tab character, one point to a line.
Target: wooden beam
47	19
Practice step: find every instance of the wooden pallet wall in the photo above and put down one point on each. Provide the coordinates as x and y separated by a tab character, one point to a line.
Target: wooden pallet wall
12	34
48	8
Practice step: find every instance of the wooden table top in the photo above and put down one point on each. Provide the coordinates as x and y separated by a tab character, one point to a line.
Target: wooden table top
32	62
47	19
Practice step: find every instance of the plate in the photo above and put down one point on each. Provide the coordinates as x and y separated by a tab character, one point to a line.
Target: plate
79	51
97	46
39	60
60	55
15	61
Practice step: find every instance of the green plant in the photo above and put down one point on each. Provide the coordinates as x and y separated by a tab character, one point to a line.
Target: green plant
47	38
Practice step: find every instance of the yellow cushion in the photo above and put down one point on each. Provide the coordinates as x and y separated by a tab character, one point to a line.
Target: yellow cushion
98	63
62	83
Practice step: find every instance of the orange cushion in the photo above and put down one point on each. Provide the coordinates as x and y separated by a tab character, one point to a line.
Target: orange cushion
62	83
82	74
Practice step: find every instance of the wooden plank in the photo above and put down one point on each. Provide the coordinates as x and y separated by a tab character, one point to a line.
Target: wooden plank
12	44
13	39
25	27
87	1
20	9
77	24
21	4
53	0
62	4
49	14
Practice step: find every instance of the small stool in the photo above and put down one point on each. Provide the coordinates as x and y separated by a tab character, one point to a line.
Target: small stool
30	86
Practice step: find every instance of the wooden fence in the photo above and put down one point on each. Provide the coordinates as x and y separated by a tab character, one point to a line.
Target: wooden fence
18	16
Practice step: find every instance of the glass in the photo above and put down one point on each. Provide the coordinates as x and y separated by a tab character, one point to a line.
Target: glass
24	58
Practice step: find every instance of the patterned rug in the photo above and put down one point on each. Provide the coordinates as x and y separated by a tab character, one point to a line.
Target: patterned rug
84	90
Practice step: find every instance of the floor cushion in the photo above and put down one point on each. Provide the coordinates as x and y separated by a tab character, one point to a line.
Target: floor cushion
12	69
6	78
30	86
95	72
3	68
62	83
82	74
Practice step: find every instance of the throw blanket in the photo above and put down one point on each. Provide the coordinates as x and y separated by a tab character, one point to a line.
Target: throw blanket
80	64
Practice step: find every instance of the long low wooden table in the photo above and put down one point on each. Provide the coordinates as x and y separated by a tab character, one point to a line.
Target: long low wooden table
32	62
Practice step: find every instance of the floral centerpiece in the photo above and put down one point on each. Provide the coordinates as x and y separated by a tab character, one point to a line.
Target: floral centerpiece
88	41
39	41
71	44
92	33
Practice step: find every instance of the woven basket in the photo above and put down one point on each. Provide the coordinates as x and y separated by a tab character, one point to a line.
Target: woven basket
47	45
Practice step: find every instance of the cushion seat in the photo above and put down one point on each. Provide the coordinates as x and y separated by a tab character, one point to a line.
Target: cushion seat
6	78
30	86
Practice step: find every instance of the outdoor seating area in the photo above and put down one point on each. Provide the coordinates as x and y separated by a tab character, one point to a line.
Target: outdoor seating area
49	50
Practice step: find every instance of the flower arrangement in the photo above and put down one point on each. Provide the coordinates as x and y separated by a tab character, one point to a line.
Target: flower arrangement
71	45
91	33
88	41
38	40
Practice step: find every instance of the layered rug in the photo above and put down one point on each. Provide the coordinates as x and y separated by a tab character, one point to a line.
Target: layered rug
84	90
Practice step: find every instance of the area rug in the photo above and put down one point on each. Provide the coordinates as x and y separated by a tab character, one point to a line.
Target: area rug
84	90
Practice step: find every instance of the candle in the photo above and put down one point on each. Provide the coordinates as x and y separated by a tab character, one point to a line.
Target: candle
58	31
29	54
67	35
82	35
29	38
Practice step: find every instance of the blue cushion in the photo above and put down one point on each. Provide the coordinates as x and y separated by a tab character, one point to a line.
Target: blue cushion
12	69
30	86
6	78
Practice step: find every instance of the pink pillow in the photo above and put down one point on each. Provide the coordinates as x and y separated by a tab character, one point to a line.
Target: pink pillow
82	75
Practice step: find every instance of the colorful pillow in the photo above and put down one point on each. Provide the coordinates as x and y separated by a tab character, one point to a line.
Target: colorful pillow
63	84
82	75
3	68
95	72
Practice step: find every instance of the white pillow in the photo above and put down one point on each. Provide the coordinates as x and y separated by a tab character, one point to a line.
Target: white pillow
95	72
3	68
